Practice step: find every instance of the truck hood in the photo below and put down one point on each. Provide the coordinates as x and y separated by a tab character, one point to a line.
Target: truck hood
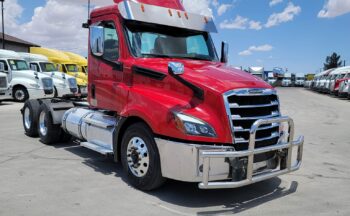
210	75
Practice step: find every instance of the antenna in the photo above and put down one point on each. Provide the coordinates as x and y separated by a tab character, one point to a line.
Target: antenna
89	4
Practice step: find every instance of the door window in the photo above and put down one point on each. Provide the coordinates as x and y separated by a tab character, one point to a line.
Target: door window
111	42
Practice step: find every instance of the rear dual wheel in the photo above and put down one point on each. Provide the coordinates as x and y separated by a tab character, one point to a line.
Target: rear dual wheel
37	121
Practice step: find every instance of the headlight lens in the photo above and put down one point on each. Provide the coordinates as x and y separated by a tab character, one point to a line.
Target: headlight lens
193	126
72	83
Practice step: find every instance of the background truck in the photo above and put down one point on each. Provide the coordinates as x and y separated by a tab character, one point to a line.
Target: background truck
163	103
257	71
25	83
4	84
65	85
287	80
271	79
79	60
65	65
299	79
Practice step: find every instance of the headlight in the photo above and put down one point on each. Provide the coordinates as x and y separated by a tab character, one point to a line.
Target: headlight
72	83
193	126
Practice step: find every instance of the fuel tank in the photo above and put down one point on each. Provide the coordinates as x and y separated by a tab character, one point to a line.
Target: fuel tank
94	127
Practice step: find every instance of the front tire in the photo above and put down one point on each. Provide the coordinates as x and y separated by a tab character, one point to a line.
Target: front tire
140	158
30	116
20	94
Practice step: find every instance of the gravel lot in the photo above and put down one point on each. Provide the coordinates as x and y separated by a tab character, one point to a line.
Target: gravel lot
70	180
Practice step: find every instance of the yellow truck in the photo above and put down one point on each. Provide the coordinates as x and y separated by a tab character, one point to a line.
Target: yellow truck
64	64
79	60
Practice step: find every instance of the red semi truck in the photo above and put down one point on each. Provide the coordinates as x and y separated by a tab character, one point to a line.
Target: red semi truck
166	106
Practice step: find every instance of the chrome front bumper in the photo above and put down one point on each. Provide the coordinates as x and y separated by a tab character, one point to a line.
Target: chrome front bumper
208	164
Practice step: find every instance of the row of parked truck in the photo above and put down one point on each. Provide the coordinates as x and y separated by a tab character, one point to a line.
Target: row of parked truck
42	73
333	81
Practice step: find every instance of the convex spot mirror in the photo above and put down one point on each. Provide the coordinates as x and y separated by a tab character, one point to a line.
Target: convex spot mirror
97	40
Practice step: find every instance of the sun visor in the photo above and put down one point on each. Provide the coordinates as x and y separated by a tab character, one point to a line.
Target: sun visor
132	10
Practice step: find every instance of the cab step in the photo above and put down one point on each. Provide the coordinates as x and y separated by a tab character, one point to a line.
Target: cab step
97	148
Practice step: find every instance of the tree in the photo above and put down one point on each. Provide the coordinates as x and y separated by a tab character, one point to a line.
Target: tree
332	61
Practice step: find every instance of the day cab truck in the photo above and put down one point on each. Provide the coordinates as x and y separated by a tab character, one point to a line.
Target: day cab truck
64	85
25	83
79	60
65	65
338	76
164	105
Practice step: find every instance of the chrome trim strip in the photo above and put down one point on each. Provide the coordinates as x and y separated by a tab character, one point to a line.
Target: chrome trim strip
273	135
234	105
238	117
240	129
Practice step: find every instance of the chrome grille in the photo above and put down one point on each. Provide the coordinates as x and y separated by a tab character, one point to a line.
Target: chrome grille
244	107
3	82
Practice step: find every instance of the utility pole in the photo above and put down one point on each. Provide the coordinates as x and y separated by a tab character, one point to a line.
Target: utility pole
3	24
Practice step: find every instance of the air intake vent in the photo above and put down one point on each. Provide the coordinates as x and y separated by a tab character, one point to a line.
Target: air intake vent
246	106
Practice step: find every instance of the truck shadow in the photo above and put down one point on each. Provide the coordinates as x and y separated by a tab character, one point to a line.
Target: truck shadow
188	195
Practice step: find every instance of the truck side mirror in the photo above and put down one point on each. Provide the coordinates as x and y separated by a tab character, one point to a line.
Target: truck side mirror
224	52
97	40
2	67
34	67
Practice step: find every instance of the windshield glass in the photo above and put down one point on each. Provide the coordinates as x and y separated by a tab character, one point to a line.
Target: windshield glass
47	67
18	65
152	41
300	78
72	68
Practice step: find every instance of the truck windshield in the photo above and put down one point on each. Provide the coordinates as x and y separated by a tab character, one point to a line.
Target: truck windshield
47	67
155	41
18	65
72	68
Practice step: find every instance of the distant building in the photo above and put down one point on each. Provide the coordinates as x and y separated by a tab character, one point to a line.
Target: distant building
16	44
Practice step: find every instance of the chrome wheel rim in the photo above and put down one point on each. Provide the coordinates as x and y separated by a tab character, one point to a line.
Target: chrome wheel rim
42	124
27	119
138	157
19	95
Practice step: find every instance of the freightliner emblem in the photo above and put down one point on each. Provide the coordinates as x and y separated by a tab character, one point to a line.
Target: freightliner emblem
256	91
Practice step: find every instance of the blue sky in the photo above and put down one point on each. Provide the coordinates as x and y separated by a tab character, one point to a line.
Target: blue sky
301	44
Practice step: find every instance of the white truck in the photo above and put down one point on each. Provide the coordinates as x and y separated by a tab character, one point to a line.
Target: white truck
299	79
257	71
271	79
4	85
65	86
287	80
24	82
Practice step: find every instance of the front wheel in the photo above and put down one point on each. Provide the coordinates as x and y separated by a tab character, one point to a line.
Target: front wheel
140	158
20	94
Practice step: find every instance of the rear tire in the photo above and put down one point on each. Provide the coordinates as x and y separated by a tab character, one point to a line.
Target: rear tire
20	94
49	133
140	158
30	116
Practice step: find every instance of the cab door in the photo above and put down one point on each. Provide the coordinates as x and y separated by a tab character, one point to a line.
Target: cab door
106	71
